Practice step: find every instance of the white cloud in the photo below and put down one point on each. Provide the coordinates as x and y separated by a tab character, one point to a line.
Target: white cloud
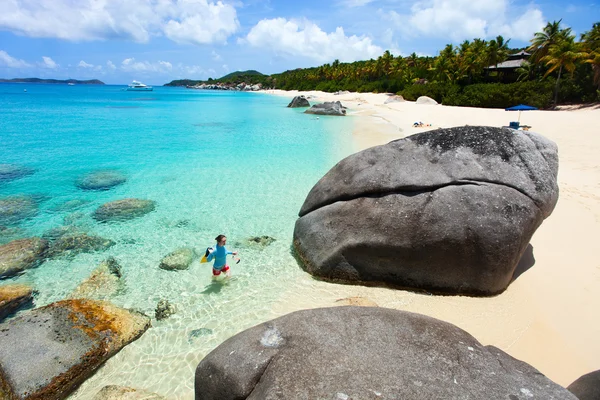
466	19
216	56
354	3
130	65
7	61
304	38
83	64
183	21
49	63
110	65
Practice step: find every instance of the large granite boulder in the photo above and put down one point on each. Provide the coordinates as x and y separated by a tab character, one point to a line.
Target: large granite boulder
122	210
48	352
13	297
327	108
22	254
14	209
587	387
114	392
11	172
299	101
71	245
394	99
104	282
449	210
100	180
365	353
178	259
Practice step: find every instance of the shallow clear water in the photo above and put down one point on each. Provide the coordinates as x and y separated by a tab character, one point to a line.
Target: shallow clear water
215	162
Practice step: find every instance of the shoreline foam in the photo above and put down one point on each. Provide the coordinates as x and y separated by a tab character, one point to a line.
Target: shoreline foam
548	316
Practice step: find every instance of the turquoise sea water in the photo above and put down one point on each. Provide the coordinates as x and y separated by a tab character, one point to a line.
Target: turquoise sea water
215	162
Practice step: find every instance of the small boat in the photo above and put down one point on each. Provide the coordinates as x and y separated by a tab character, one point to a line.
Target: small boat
71	84
139	87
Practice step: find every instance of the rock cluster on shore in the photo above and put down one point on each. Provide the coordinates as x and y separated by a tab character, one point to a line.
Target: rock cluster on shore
327	108
240	87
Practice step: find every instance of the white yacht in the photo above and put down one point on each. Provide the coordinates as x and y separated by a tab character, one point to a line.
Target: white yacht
138	86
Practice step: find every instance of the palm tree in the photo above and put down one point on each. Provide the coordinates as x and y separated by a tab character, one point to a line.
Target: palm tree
565	54
591	42
550	35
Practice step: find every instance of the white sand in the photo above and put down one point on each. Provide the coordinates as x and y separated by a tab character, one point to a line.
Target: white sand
550	316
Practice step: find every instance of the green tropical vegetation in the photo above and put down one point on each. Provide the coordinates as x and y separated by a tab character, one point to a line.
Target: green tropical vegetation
560	70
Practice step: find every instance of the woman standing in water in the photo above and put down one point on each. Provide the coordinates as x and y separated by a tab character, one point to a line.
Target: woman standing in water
219	253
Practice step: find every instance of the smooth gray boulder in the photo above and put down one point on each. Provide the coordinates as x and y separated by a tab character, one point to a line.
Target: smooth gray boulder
365	353
587	387
299	101
114	392
49	351
14	209
21	254
123	210
13	297
101	180
394	99
71	245
426	100
11	172
450	210
177	260
327	108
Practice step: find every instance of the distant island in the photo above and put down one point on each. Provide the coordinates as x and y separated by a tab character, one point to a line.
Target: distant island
58	81
229	80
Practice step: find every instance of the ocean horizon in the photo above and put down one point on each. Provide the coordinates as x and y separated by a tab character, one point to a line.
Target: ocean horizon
215	162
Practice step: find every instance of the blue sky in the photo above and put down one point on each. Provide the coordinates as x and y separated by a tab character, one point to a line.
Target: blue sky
156	41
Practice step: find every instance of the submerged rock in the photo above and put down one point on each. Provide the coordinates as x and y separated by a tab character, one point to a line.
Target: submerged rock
299	101
11	172
586	387
196	333
13	297
61	231
49	351
114	392
178	260
71	245
164	309
365	353
449	210
71	205
327	108
103	283
22	254
122	210
17	208
8	234
262	241
100	180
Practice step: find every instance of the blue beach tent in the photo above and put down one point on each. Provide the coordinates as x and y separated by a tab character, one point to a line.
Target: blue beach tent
519	108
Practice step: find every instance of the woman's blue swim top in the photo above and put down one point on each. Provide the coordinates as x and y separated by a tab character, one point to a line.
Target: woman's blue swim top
220	256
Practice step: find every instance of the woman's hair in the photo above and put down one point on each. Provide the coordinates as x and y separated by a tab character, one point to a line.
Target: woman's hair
219	238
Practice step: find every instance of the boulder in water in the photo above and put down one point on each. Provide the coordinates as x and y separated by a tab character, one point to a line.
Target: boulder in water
101	180
114	392
103	283
365	353
426	100
450	210
178	260
299	101
71	245
262	241
22	254
11	172
164	309
49	351
122	210
17	208
327	108
13	297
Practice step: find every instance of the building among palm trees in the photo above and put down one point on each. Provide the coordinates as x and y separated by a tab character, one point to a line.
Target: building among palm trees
506	71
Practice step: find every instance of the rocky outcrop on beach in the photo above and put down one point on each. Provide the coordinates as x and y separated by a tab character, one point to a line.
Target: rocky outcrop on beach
11	172
365	353
21	254
104	282
101	180
240	87
178	260
164	309
13	297
71	245
123	210
299	101
49	351
394	99
327	108
114	392
426	100
14	209
450	210
587	387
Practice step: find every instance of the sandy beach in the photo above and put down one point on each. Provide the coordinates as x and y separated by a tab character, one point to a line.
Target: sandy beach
548	317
